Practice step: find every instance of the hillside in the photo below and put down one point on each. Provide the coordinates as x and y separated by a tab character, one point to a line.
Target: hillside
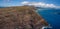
23	17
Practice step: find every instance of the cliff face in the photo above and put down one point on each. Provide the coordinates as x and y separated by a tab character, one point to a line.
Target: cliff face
23	17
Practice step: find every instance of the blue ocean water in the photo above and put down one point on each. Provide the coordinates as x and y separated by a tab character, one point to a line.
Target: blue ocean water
51	16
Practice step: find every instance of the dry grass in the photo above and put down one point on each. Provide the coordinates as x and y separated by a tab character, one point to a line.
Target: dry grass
22	17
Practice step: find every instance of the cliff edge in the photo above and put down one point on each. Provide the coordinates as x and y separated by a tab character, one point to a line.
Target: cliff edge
23	17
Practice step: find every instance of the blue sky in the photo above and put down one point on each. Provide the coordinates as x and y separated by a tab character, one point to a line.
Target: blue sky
18	2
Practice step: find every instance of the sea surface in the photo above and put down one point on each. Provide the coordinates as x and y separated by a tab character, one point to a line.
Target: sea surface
52	16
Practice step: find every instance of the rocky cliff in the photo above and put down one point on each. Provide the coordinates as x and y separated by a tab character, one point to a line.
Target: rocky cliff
23	17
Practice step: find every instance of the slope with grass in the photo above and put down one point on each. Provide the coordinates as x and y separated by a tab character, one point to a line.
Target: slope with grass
21	17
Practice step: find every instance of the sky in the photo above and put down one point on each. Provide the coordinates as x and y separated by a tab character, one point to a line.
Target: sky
43	3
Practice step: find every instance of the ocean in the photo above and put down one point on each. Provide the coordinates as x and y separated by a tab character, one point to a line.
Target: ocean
52	16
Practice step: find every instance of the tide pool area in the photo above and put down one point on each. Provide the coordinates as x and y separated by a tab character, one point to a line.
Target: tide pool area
51	16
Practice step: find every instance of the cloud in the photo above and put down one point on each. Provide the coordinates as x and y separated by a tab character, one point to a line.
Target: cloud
40	4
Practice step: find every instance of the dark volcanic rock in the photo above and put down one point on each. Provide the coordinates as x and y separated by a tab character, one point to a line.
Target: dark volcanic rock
23	17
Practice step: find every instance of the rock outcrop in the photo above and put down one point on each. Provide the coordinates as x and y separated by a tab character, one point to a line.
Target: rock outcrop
23	17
